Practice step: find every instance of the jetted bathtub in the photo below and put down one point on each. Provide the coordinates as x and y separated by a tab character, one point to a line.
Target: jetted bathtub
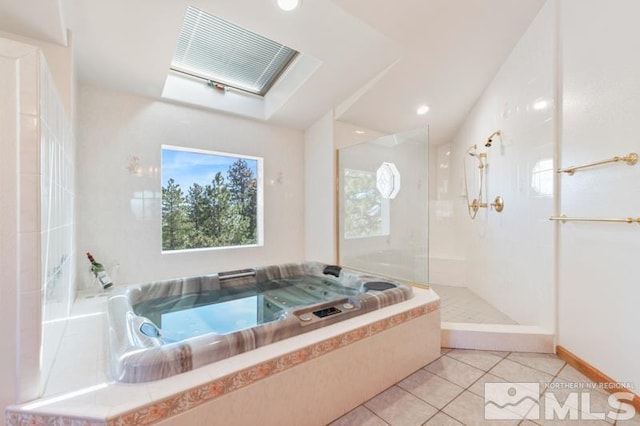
160	329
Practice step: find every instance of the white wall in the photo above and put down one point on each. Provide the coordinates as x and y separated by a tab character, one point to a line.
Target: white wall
506	257
119	213
599	295
319	186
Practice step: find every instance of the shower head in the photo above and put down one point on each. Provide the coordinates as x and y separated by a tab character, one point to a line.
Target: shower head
490	138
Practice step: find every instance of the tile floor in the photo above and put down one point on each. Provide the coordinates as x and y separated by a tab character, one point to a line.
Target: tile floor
459	304
450	391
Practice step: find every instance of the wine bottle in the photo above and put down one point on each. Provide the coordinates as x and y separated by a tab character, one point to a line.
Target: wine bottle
99	272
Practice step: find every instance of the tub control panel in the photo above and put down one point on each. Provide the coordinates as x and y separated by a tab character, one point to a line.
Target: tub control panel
326	312
313	314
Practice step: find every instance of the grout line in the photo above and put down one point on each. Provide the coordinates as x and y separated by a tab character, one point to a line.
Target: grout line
537	369
431	416
476	367
372	412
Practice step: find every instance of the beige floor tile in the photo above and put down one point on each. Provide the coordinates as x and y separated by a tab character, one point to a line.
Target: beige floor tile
442	419
431	388
547	363
483	360
512	371
468	409
359	416
444	351
399	408
584	421
478	386
570	374
454	371
459	304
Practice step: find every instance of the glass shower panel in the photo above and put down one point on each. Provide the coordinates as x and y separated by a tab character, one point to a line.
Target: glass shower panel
383	206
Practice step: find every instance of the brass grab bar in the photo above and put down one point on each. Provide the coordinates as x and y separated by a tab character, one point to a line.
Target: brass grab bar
563	218
630	159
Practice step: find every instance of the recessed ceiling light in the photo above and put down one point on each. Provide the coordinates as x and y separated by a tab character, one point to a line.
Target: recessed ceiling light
288	5
359	132
422	110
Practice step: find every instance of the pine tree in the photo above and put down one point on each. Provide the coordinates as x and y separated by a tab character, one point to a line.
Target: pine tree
198	212
218	212
244	197
175	223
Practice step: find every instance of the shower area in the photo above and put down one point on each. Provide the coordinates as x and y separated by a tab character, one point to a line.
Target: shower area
471	215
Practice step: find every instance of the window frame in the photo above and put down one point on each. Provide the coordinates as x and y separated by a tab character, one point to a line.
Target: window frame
230	35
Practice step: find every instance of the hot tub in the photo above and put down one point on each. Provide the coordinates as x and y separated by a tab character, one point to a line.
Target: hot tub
160	329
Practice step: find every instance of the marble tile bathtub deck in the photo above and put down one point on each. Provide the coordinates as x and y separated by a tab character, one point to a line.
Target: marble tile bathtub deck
80	392
450	391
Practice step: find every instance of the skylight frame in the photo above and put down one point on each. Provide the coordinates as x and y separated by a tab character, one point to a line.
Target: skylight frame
207	44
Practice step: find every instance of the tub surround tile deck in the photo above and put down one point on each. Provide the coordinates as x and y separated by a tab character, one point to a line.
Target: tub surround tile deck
109	403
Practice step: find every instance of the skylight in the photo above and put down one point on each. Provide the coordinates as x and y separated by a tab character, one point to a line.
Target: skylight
216	50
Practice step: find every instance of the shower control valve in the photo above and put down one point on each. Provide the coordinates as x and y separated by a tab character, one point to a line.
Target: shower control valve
498	204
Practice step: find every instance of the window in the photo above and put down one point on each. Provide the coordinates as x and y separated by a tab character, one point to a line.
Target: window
366	212
210	199
219	51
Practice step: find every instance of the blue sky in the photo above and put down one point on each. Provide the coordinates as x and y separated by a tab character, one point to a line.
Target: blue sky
186	167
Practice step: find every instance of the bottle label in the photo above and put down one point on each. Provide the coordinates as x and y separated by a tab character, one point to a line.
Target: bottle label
104	278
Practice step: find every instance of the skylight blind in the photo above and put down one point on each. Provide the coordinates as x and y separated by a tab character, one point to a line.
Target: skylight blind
218	50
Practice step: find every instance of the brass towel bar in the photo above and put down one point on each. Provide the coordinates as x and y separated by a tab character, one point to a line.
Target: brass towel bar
563	218
630	159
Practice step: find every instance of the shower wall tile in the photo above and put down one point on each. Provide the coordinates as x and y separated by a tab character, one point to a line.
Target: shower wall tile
29	285
30	320
29	145
29	203
57	216
30	268
26	74
29	84
506	258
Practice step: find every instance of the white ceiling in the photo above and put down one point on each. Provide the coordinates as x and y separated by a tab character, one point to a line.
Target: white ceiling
380	58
